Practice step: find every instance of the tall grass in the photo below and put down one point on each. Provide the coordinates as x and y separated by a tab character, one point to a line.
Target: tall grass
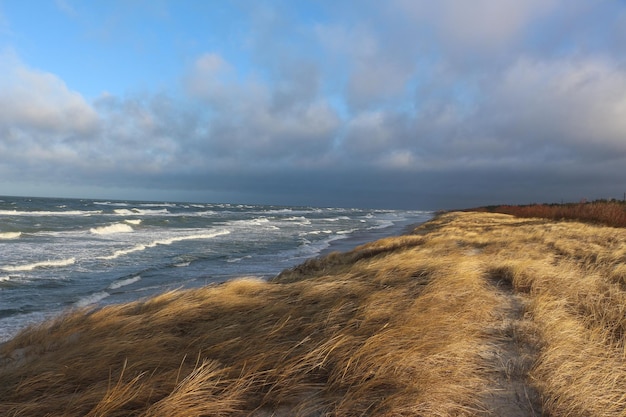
400	327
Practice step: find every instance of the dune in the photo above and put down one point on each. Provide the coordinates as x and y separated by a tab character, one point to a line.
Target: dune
471	314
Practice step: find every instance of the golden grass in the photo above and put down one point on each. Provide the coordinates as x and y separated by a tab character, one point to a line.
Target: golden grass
400	327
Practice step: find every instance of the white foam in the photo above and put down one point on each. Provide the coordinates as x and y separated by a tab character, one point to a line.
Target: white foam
4	278
124	282
233	260
10	235
169	241
182	264
43	264
158	205
91	299
140	212
317	232
123	252
109	203
111	229
133	221
300	219
382	224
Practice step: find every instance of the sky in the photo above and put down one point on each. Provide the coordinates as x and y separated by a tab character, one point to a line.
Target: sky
410	104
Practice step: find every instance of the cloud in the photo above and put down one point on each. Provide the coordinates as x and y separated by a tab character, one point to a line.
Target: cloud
258	123
40	101
391	104
576	104
479	24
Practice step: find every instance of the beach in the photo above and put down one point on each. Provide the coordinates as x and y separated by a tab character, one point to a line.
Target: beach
471	314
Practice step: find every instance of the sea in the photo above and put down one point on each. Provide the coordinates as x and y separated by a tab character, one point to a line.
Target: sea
59	254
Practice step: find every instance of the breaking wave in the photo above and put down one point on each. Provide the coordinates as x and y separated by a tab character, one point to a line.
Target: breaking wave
91	299
124	282
10	235
112	228
169	241
43	264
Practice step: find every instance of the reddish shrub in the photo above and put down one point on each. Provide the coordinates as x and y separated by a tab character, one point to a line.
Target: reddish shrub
611	213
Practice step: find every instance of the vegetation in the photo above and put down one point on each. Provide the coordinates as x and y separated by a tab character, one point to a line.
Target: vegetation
473	314
608	212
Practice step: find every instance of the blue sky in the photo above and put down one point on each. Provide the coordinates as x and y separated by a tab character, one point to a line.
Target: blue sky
403	103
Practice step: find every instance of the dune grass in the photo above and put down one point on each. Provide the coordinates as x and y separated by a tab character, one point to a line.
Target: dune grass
399	327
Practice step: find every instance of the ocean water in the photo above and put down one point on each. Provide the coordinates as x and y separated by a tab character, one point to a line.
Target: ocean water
59	254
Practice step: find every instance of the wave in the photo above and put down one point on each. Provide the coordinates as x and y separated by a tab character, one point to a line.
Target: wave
141	247
382	224
110	203
140	212
299	219
233	260
124	282
133	221
91	299
43	264
112	228
10	235
317	232
263	222
4	278
49	213
158	205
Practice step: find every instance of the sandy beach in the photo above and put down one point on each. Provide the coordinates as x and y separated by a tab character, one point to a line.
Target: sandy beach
471	314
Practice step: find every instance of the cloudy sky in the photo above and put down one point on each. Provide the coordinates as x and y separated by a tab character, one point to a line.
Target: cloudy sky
396	104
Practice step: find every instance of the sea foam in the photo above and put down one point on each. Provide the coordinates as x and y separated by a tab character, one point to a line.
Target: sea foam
112	228
43	264
141	247
140	212
91	299
124	282
10	235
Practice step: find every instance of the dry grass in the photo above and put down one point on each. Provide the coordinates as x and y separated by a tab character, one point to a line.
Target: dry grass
403	326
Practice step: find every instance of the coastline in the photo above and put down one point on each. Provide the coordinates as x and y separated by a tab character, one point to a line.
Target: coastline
391	327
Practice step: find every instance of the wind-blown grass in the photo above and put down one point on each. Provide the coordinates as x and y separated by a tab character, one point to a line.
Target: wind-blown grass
399	327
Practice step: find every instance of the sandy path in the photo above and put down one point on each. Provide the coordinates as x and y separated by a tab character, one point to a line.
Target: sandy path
511	357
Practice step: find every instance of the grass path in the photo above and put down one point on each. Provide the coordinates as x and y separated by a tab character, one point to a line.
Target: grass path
511	357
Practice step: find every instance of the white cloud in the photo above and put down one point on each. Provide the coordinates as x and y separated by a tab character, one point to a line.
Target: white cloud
33	99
